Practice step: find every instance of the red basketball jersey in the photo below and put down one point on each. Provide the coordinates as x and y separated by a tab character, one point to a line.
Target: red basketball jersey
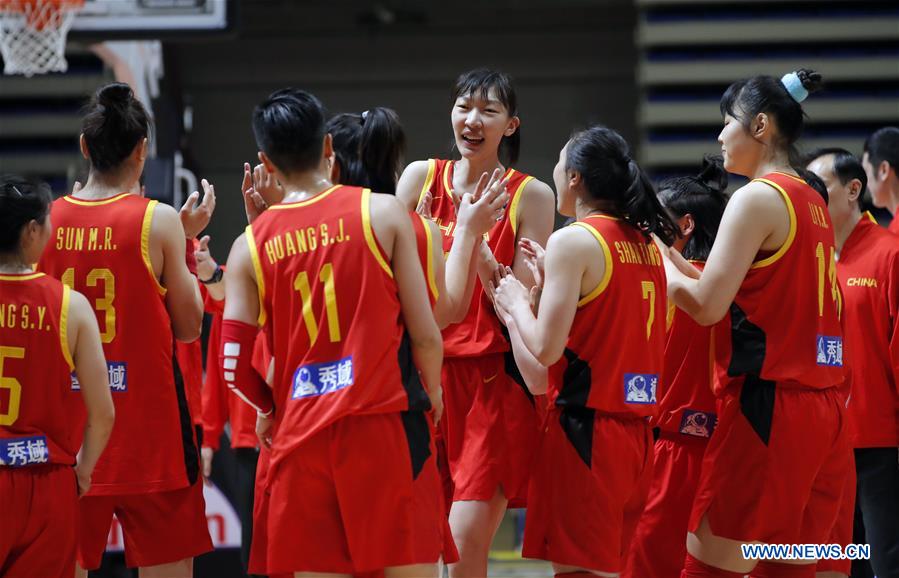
784	323
332	314
868	271
37	425
102	249
613	359
480	333
425	243
686	402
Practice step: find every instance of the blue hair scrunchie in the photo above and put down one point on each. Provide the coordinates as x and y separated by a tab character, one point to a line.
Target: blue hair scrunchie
793	84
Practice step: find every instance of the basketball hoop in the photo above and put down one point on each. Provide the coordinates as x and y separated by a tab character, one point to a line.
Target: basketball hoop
33	34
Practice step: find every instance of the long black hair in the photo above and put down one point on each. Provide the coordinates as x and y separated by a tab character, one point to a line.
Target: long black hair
477	83
701	196
369	148
21	201
746	98
114	123
602	157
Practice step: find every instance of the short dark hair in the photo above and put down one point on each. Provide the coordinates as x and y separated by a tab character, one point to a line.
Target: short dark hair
21	201
289	127
883	145
114	123
701	196
846	165
478	83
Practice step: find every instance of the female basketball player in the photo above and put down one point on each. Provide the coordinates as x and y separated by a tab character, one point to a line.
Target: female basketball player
127	254
600	329
687	414
766	477
490	422
47	332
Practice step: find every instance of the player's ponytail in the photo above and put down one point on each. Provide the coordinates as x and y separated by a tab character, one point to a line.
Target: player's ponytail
114	123
781	99
21	201
368	148
616	183
703	198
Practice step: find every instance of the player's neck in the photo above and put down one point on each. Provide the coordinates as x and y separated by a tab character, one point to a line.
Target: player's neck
101	186
841	231
305	185
777	163
466	172
894	200
14	263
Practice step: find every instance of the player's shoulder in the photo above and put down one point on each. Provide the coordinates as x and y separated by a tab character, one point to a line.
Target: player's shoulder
539	192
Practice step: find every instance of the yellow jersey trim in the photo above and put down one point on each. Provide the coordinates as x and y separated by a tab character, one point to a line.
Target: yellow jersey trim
369	235
432	280
257	267
870	217
794	177
64	326
447	184
516	198
790	237
25	277
607	255
145	245
429	180
90	203
307	202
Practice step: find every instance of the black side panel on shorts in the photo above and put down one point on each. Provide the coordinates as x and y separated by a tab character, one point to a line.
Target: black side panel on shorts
577	419
418	435
511	368
747	345
757	405
188	443
415	391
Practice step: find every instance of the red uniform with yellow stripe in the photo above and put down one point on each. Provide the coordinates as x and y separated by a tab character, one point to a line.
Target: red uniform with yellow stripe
343	377
424	241
595	457
779	360
490	422
686	420
39	434
102	249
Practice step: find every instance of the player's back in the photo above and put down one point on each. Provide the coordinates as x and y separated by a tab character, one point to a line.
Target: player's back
102	249
784	321
37	425
331	312
613	359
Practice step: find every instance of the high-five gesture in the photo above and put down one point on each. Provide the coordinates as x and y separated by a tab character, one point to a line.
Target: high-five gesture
194	218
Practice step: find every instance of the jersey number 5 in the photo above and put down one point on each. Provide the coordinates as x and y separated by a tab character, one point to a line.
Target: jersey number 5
12	384
104	304
301	284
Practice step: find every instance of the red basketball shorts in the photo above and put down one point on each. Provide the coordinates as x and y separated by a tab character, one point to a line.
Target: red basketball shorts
158	527
659	545
38	510
590	480
344	500
842	529
775	469
489	428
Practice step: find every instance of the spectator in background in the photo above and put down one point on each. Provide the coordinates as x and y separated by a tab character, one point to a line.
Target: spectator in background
881	163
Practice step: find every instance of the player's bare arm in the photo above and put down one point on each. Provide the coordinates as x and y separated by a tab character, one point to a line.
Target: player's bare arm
167	248
83	335
408	189
536	216
755	220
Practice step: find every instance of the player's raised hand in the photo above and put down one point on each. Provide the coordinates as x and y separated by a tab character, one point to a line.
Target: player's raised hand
480	212
194	217
267	185
205	263
253	203
534	255
424	205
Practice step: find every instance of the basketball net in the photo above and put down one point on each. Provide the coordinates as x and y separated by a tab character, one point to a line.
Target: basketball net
33	35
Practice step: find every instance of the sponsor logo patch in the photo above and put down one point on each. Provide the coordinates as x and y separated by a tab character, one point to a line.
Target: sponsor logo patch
830	350
117	372
19	452
698	423
322	378
640	387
